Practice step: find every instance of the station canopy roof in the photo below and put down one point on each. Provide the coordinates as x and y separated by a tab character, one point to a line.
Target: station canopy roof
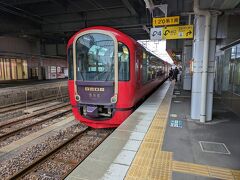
57	20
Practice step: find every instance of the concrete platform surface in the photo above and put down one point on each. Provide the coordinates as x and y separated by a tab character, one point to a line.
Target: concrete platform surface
27	92
17	83
186	142
111	160
162	142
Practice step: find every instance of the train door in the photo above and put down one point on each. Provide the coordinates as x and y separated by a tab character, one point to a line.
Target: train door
138	67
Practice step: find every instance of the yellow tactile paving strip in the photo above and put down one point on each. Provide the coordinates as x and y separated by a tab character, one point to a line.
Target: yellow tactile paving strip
150	162
205	170
154	164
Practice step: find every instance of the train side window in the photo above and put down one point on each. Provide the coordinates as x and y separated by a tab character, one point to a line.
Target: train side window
70	62
151	70
145	62
123	62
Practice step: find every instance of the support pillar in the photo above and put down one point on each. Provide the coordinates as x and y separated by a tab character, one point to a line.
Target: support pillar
40	62
187	57
198	46
40	73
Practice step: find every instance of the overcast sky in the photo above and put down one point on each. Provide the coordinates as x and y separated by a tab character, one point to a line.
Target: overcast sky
158	48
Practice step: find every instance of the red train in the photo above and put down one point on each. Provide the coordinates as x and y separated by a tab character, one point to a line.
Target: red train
109	73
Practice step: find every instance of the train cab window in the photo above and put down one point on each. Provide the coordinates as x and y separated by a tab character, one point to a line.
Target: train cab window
95	57
70	63
123	62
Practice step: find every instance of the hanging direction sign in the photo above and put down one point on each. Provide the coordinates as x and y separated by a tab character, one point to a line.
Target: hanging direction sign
177	32
163	21
172	32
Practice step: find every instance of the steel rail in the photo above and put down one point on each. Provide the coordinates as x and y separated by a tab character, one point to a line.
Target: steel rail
4	136
12	107
77	164
37	114
47	155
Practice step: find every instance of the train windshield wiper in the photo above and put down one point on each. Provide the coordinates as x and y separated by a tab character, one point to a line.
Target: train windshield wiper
81	74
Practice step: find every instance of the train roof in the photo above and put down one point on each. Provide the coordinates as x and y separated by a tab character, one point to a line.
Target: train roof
116	32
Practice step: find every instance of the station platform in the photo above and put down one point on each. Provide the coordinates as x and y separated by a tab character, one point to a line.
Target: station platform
15	92
160	141
28	82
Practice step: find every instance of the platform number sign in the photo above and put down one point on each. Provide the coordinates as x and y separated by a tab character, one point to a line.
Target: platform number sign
156	33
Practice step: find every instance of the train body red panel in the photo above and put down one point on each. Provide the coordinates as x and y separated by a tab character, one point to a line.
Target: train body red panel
109	73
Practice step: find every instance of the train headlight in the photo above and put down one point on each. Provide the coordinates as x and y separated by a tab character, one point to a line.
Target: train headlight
77	97
114	99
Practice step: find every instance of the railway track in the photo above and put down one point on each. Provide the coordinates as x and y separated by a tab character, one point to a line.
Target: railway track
32	115
60	161
16	130
10	130
22	105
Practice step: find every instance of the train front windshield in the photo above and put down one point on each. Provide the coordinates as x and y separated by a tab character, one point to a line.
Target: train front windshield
95	57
